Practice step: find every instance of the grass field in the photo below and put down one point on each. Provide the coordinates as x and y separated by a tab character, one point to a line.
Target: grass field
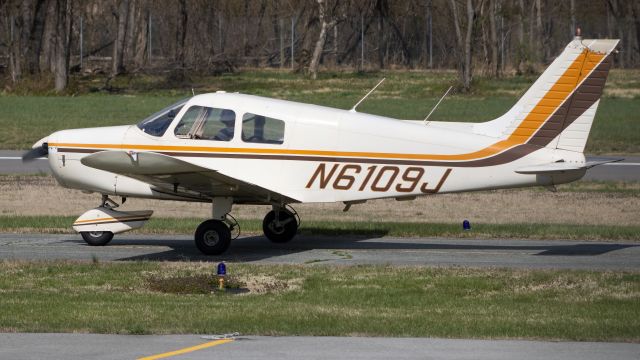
128	298
62	224
408	95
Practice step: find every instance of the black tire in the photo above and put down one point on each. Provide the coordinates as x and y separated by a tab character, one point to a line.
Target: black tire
283	233
97	238
213	237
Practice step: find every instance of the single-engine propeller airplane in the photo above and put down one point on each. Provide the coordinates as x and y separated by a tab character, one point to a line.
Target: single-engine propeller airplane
230	148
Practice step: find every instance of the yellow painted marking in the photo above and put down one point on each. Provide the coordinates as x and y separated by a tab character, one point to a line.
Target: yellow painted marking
187	350
546	106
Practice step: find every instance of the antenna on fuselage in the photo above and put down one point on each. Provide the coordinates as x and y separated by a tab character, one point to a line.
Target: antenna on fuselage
436	106
369	93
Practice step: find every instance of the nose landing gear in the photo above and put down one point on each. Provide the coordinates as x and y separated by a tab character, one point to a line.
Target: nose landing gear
97	226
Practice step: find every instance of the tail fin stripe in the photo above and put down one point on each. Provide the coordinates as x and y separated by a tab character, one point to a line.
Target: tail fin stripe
578	103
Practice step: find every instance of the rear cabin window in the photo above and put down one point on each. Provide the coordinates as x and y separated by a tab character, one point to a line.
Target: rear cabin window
205	123
262	129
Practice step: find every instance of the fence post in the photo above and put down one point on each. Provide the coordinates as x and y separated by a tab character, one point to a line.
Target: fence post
293	34
150	39
81	41
362	42
281	24
430	20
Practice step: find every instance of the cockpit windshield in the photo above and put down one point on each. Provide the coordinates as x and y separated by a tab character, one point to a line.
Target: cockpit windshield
158	123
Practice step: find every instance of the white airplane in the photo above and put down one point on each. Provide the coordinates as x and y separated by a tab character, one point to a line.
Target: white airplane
228	149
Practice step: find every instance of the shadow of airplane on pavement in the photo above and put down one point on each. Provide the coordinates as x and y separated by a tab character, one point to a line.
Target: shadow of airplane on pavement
255	248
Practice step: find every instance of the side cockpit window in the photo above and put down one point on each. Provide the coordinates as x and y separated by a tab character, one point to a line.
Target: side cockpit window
205	123
262	129
157	124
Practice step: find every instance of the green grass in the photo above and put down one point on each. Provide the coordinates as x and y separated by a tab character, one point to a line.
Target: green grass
326	301
62	224
405	95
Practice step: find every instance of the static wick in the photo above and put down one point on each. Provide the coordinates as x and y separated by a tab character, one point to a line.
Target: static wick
369	93
435	107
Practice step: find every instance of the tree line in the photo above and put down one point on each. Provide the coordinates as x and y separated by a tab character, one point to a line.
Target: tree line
488	37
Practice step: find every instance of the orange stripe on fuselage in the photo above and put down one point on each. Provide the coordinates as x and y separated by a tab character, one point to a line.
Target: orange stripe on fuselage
555	96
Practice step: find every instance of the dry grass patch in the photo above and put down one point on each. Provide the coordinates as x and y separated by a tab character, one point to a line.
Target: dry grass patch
578	203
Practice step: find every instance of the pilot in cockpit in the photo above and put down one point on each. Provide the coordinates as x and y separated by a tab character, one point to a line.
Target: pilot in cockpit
228	118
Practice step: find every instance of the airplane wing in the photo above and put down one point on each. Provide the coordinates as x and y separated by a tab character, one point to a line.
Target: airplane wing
173	176
559	167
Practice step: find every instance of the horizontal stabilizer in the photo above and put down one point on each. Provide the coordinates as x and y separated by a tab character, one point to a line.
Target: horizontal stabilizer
560	167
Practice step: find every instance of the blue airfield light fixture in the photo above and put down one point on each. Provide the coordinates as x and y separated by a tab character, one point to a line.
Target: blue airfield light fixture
222	269
466	225
221	272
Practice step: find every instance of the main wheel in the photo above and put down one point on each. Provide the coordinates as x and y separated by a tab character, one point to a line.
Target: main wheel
282	232
213	237
97	238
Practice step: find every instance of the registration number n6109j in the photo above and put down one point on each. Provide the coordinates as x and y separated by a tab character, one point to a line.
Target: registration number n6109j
380	178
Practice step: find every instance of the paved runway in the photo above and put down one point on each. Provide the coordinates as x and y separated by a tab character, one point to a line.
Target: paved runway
342	250
627	170
92	346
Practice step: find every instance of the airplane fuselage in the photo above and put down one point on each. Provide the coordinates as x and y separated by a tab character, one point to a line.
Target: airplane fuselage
327	155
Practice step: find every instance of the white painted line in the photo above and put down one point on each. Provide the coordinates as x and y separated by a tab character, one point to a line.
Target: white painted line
622	164
17	158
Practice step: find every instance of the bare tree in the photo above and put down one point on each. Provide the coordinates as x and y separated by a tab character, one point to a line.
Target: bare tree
181	34
325	26
62	43
117	58
521	52
15	66
464	48
493	14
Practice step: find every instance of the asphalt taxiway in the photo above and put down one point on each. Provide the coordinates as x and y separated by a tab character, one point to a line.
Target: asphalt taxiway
339	250
92	346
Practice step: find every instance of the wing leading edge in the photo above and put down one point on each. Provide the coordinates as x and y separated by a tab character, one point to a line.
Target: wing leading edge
177	177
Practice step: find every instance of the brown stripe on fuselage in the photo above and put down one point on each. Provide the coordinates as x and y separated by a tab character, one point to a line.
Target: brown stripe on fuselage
79	150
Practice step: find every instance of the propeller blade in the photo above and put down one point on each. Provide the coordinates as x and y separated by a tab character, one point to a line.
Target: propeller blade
35	153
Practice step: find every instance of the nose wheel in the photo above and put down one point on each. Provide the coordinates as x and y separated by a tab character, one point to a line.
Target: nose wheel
280	225
97	238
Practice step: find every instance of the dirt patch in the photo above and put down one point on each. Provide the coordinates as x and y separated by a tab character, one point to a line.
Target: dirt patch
193	284
629	93
36	195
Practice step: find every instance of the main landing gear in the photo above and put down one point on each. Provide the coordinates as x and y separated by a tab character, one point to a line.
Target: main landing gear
214	236
281	225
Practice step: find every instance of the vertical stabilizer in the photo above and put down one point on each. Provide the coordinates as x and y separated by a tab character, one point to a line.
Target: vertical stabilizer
559	108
